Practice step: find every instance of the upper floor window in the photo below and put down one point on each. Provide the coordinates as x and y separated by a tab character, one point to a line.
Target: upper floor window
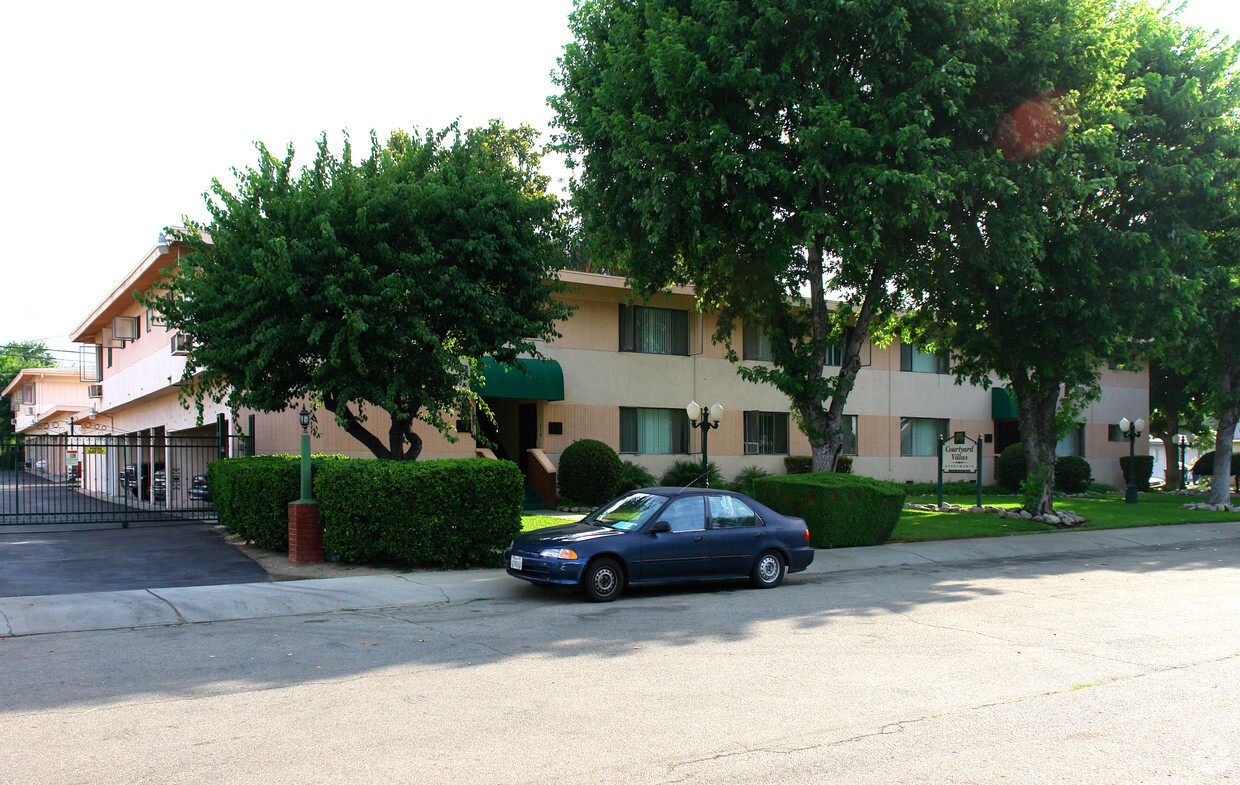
654	431
28	393
914	359
653	330
919	436
766	433
757	346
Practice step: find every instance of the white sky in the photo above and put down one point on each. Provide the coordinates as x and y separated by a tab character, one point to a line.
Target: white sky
117	115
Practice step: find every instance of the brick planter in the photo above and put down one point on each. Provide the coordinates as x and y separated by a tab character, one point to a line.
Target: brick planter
305	533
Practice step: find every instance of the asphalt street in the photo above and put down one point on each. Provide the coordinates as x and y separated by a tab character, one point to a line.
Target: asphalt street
1110	660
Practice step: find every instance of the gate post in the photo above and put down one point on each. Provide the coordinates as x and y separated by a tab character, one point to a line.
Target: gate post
305	533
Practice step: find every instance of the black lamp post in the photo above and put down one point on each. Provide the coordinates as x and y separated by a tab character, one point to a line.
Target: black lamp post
1133	431
706	419
304	418
1184	441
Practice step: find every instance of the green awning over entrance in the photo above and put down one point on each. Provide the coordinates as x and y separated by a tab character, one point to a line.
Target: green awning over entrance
539	380
1002	407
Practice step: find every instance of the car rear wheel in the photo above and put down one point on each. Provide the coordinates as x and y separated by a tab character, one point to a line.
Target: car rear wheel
768	570
603	580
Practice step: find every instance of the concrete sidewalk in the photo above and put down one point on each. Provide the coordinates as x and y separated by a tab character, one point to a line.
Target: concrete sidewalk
194	604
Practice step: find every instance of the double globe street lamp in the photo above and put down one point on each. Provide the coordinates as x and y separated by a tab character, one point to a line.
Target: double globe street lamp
1184	441
706	419
1133	431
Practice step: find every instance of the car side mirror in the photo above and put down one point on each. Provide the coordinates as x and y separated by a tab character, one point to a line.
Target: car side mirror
660	526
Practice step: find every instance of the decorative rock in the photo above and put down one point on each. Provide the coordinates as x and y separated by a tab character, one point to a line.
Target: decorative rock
1053	520
1025	515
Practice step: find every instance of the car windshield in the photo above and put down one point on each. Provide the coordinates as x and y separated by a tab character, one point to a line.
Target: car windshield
627	512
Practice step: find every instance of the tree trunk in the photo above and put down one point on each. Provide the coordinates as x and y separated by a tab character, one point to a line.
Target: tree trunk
1171	453
1229	388
1037	400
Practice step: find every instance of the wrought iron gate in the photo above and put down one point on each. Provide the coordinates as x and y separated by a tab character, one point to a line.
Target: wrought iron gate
89	479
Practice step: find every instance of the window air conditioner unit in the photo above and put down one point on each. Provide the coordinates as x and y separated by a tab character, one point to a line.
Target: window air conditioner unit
751	448
94	391
29	411
180	345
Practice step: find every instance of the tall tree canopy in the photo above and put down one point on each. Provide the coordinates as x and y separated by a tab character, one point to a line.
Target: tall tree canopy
769	152
377	283
1088	168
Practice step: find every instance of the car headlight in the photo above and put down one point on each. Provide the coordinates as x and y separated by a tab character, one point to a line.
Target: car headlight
558	553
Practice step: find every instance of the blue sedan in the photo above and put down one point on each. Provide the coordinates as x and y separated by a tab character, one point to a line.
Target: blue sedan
664	535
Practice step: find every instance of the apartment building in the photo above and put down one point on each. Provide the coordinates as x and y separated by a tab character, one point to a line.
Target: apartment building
622	373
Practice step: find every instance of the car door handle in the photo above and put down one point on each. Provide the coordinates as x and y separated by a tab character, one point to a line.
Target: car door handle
699	538
759	535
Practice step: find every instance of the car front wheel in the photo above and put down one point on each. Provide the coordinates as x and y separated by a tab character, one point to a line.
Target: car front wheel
603	580
768	571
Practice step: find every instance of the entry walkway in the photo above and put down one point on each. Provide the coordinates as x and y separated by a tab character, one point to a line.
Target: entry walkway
193	604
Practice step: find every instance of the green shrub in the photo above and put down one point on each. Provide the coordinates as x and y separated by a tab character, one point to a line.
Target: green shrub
1072	474
843	464
1010	468
251	496
745	480
841	510
1145	467
589	472
442	513
633	477
799	464
684	473
1204	465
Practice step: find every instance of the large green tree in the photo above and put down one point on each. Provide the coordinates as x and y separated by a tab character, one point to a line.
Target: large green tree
375	284
772	153
1079	166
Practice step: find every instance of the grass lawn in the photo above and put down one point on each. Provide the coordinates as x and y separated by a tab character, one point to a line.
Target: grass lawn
531	522
1105	512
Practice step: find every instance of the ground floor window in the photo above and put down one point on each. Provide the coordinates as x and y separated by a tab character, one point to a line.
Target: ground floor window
654	431
1073	443
766	433
919	436
849	424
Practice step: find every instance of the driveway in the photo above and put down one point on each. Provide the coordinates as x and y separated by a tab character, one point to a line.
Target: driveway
38	560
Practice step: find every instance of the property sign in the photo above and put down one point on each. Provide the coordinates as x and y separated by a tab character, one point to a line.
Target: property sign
71	459
96	449
960	455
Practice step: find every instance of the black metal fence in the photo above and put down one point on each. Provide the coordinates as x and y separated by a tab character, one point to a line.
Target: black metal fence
89	479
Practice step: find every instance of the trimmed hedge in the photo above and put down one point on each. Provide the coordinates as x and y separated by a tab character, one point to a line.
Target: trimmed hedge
804	464
1072	474
589	472
251	496
1011	468
1204	465
842	510
447	512
441	513
1145	467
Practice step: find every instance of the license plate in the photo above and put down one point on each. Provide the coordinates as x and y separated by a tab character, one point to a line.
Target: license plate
515	562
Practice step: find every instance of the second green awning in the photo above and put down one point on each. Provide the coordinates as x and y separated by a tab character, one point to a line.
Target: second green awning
1002	407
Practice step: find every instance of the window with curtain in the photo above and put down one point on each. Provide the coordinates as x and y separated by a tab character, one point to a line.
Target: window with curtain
654	431
849	424
766	433
653	330
919	436
914	359
756	344
1073	443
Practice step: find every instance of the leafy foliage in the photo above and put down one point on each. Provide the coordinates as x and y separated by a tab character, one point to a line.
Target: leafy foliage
1204	465
633	477
1072	474
684	473
745	480
374	284
1012	467
14	356
799	464
1144	469
841	510
589	472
